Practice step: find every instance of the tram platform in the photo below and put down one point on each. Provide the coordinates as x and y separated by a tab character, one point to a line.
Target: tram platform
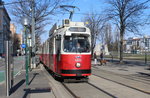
38	86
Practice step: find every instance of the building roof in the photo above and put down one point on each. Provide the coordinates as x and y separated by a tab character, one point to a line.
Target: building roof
4	9
136	39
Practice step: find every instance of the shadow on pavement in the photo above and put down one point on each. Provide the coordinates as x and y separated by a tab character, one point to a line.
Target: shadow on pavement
145	76
34	75
36	90
14	88
147	68
130	63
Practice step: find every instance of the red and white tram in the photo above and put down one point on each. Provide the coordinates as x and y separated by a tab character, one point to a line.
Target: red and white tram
67	51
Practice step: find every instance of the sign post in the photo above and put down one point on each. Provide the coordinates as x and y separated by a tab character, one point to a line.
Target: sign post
7	68
23	45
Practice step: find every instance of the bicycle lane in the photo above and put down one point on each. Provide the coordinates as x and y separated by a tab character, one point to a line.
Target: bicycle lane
18	65
2	75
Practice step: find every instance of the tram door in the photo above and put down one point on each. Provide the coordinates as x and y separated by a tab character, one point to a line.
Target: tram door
58	50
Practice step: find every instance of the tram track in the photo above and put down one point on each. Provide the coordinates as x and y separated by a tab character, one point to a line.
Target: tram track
130	77
123	84
70	91
90	93
87	89
102	90
74	95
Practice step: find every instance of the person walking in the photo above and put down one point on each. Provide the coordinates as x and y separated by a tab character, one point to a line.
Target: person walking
95	58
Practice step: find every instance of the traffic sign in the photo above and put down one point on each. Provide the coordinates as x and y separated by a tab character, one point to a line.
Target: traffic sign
23	45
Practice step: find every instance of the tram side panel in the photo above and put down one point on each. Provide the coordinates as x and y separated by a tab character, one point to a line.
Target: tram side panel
52	56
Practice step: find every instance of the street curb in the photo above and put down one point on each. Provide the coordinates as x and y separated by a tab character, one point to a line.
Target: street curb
51	84
56	91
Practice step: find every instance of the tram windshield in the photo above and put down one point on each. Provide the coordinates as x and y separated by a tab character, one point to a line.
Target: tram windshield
76	44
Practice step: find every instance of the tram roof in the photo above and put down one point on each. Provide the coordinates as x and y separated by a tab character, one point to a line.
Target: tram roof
64	29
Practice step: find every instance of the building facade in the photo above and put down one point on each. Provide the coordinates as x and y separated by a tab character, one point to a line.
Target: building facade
138	45
17	39
13	30
5	33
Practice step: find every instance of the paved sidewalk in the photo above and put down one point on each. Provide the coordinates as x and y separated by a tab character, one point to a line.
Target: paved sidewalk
38	86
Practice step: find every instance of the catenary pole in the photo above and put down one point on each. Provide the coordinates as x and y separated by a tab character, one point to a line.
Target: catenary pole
26	58
33	34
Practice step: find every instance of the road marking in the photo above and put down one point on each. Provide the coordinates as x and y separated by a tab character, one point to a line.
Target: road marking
17	74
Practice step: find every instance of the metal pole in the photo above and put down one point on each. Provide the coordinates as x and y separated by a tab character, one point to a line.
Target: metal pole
145	53
26	59
71	14
118	45
33	33
145	57
12	66
7	69
30	52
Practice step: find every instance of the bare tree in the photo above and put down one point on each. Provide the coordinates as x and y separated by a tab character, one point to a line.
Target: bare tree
44	9
116	40
107	35
95	24
127	15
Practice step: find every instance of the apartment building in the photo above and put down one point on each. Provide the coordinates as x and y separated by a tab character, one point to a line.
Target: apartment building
138	45
5	32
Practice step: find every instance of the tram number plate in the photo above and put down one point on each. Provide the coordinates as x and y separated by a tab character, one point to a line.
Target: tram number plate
77	59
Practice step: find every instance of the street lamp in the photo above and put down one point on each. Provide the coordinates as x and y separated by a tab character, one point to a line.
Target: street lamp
25	22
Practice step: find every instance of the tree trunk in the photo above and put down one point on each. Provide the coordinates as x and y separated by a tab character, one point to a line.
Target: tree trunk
121	45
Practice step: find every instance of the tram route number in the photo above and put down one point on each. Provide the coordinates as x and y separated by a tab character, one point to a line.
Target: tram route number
78	60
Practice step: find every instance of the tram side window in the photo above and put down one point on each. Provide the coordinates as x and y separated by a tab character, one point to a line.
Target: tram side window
76	44
68	44
51	46
58	45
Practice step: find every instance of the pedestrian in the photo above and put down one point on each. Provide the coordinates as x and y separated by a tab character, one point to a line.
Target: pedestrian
95	58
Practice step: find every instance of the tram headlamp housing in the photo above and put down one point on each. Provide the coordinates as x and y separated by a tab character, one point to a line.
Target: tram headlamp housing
78	65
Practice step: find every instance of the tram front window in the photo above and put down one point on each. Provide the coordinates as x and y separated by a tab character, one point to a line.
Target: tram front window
76	44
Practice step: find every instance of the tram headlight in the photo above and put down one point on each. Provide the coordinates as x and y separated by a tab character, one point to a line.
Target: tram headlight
78	65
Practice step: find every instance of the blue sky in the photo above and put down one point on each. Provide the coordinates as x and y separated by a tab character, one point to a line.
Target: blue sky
85	6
